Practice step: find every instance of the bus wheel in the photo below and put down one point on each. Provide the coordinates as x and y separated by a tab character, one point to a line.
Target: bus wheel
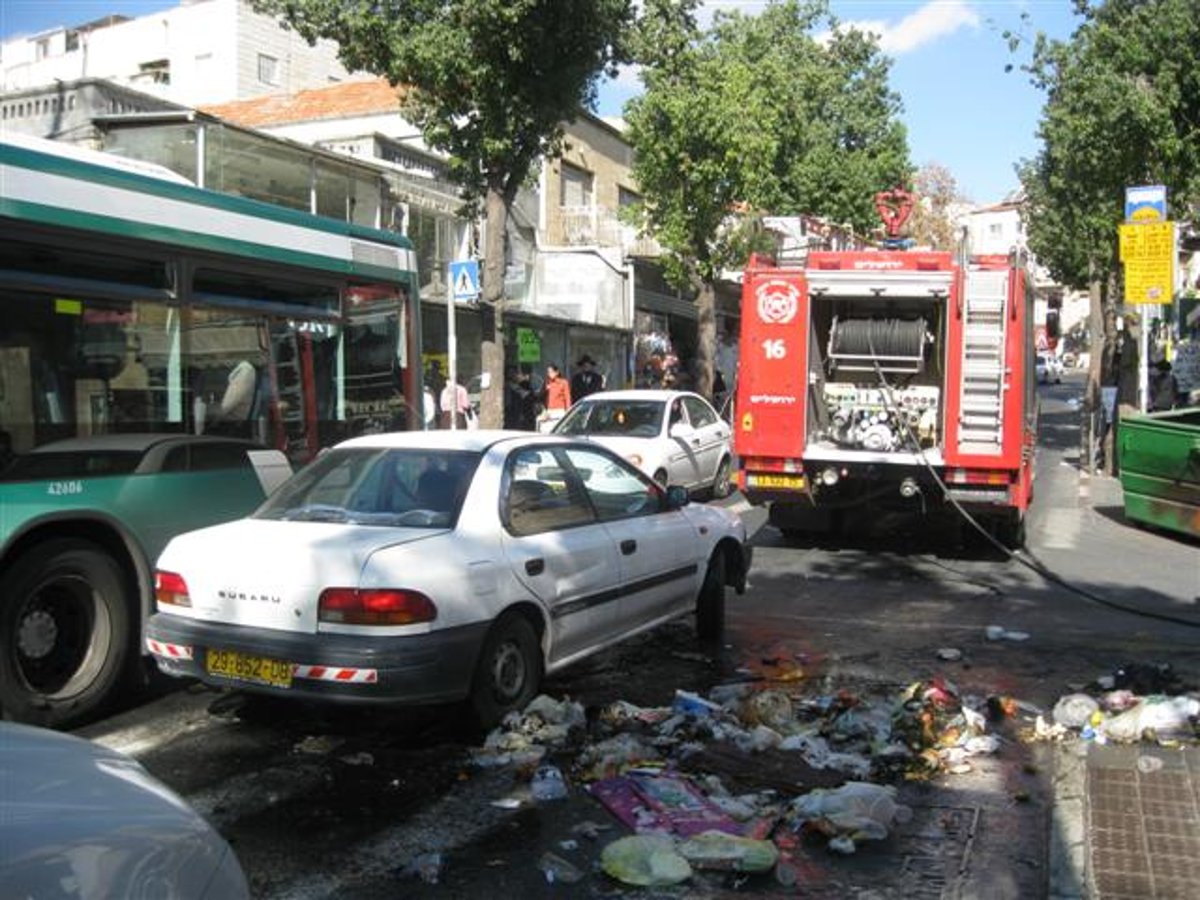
65	634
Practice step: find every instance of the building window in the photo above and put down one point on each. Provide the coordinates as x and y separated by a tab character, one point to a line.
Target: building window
995	229
577	186
72	41
42	49
626	197
268	69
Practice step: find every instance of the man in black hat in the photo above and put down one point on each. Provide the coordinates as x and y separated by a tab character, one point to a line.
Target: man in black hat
587	380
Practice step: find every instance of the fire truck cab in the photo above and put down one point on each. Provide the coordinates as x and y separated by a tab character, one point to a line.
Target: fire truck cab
887	378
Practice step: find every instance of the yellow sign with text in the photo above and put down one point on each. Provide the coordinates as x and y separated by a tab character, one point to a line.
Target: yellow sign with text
1148	252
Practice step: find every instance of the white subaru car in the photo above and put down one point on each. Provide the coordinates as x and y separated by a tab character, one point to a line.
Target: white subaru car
675	437
437	566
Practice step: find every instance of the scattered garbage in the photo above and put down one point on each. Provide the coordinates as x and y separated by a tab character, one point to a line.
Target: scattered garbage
317	745
1137	702
548	784
949	654
1000	633
1075	710
857	811
667	803
556	869
1149	764
362	758
728	852
645	860
426	866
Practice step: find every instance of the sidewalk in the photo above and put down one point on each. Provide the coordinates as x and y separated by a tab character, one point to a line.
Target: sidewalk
1126	819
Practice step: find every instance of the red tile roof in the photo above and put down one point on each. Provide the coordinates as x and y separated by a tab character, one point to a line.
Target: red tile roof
338	101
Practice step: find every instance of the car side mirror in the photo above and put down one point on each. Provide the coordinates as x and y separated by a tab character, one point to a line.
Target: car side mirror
677	497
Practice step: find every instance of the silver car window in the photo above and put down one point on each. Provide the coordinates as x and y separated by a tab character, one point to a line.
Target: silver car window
700	413
541	494
616	490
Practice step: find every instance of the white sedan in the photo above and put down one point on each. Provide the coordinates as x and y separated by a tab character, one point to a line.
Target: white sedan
675	437
419	567
1048	368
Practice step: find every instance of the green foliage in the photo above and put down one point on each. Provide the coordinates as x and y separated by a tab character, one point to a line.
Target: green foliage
488	82
757	114
1122	109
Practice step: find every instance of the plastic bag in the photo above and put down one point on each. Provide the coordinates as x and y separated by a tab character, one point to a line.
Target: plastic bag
729	852
1164	716
645	860
858	809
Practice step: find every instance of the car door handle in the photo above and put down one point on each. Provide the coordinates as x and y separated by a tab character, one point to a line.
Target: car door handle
535	566
696	442
628	547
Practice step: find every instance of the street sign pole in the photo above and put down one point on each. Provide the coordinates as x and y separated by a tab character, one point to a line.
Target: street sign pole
451	350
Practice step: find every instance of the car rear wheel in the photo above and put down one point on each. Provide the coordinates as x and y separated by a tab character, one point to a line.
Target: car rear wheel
509	671
66	634
721	487
710	604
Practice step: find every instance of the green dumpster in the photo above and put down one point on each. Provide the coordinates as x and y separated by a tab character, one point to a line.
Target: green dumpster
1159	458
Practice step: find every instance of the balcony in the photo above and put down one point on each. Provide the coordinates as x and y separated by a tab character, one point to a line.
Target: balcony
593	226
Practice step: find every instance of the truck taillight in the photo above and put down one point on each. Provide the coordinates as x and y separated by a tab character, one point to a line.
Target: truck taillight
376	606
170	589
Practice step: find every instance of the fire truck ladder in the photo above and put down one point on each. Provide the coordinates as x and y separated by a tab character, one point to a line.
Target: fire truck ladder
981	418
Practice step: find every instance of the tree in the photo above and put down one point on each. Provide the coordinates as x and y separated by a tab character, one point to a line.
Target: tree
754	115
490	84
1122	109
936	193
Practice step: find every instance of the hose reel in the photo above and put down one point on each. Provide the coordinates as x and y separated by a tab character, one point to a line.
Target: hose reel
869	345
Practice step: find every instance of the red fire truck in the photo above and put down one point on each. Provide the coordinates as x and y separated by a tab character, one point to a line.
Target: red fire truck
887	378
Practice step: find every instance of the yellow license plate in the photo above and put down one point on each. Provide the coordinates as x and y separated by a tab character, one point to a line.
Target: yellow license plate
255	669
786	482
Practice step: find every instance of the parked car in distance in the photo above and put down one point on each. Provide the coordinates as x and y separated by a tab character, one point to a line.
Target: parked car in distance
1048	369
86	822
425	567
83	520
675	437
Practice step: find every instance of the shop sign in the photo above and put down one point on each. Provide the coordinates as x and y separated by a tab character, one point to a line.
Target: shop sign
529	346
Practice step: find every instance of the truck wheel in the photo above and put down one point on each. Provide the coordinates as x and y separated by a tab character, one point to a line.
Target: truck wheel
710	604
509	671
721	487
1010	530
66	634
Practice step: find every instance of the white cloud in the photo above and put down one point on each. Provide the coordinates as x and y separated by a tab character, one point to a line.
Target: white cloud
936	19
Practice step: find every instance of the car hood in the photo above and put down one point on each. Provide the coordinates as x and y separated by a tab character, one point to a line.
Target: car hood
78	813
270	574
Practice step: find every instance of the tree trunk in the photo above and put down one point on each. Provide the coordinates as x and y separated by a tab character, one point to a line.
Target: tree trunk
706	338
491	398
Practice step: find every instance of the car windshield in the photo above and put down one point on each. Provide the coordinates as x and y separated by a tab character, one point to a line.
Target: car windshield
619	418
411	488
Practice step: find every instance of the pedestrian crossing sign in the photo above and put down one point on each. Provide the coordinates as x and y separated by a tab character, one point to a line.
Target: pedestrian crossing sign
464	280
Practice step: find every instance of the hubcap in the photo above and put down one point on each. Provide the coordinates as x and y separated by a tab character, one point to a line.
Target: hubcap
508	671
63	637
37	634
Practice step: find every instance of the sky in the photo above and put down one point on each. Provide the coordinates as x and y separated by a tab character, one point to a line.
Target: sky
961	108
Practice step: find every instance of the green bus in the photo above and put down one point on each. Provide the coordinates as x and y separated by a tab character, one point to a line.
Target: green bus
167	354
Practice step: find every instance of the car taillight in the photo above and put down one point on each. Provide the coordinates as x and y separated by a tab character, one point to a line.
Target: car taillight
171	590
375	606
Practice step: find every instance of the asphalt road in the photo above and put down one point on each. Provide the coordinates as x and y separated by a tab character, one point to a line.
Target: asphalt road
322	803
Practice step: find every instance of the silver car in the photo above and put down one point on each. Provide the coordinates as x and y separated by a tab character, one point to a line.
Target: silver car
79	820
